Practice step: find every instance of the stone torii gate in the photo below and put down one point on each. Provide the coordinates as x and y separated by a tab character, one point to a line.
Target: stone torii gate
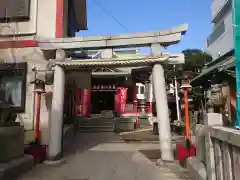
156	40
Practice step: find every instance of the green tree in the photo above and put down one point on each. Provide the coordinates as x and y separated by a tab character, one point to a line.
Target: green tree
195	59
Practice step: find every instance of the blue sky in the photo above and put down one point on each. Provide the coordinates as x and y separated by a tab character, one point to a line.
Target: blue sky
151	15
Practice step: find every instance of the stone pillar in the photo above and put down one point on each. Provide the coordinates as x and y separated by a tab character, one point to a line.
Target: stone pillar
210	120
56	120
165	136
107	53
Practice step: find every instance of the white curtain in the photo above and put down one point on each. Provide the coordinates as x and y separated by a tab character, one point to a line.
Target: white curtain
12	90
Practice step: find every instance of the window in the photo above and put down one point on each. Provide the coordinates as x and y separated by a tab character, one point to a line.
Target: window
14	10
13	86
140	89
218	31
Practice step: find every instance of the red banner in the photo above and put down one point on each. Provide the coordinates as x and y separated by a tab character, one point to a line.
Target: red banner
122	99
86	102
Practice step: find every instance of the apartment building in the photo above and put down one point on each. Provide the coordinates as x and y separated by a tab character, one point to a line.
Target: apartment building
220	41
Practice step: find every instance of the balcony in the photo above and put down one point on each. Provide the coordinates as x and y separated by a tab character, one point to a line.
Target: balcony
219	9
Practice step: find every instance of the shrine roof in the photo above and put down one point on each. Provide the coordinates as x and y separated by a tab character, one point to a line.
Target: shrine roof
219	65
113	62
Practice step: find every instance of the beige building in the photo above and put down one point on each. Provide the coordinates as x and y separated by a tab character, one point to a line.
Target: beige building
20	25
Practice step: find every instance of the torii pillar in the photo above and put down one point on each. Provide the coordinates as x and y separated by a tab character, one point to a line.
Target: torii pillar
159	88
54	153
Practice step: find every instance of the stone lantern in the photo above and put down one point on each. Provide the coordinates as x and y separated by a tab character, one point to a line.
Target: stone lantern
186	83
39	85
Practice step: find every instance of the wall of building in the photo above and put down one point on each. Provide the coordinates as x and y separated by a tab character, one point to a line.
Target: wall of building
221	39
42	21
35	59
46	18
217	5
22	28
42	24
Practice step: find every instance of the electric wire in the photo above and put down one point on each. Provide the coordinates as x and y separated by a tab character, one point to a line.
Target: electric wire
111	15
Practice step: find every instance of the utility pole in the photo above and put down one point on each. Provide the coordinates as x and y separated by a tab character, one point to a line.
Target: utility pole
176	94
236	33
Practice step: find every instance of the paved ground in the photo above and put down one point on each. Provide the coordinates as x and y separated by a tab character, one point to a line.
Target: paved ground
104	156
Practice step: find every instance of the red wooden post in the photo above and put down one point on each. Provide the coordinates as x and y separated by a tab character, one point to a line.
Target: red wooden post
89	103
38	108
86	96
186	114
78	101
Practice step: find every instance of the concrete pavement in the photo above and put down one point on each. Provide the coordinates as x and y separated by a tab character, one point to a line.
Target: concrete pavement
104	156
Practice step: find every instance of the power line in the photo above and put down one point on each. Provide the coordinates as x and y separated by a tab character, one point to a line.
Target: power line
108	13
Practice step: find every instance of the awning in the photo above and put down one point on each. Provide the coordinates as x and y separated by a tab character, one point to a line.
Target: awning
228	65
208	73
113	62
230	73
107	74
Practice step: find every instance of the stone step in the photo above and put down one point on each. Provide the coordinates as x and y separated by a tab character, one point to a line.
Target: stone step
96	128
12	169
95	123
99	126
97	120
100	119
107	121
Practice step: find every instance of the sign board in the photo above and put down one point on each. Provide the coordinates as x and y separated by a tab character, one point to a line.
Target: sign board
16	10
